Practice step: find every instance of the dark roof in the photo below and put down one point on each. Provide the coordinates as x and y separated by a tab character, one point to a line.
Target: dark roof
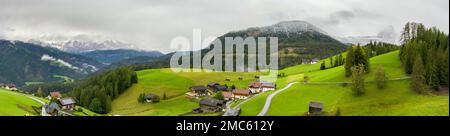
53	106
150	96
67	101
221	87
211	102
199	88
212	84
315	104
266	84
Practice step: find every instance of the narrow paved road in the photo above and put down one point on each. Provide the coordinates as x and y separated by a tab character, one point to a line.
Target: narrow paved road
229	103
37	100
29	96
269	99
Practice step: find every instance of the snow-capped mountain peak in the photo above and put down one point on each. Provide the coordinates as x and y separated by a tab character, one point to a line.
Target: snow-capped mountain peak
292	27
80	46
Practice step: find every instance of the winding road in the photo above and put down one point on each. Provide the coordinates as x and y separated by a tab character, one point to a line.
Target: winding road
37	100
269	99
266	105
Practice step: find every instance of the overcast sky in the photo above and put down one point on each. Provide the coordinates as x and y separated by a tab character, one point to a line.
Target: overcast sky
151	24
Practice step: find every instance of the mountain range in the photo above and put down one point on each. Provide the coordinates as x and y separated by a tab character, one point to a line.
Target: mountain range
81	46
22	62
111	56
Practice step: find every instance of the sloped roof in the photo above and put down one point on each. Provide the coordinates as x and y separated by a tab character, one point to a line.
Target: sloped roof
67	101
212	84
315	104
270	85
255	85
51	107
227	94
221	87
199	88
211	102
151	96
242	92
55	94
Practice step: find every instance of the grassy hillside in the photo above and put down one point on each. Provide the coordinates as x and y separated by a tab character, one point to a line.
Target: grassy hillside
174	85
15	104
396	99
298	69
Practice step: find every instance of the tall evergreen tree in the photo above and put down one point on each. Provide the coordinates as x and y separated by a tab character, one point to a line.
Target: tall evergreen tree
96	106
39	92
418	76
331	61
358	86
349	61
322	66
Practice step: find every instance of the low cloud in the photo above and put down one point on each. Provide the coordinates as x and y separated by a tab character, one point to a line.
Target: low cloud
61	62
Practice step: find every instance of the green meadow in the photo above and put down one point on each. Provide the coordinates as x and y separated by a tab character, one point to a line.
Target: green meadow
174	85
15	104
397	99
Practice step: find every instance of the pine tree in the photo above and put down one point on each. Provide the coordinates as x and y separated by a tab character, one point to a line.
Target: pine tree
358	86
431	70
39	92
380	76
341	60
336	62
418	76
331	61
96	106
349	62
322	66
108	104
442	67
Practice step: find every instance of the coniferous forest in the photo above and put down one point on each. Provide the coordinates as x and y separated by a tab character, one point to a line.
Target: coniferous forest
97	92
424	54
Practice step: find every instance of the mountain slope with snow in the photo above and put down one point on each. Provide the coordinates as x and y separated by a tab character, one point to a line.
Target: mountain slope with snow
22	62
78	46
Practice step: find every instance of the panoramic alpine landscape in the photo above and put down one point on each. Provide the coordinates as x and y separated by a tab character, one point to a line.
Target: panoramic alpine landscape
356	63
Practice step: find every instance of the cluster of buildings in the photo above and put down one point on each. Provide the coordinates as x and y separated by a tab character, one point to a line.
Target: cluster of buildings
11	87
56	108
253	88
214	105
